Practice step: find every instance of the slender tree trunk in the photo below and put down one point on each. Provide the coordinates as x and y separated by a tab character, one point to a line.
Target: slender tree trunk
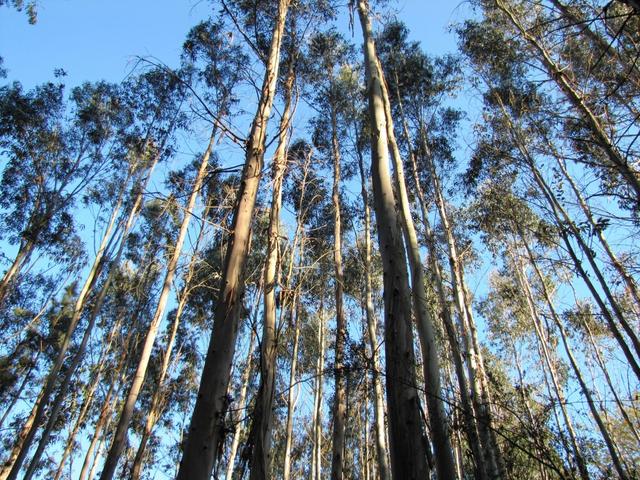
408	459
619	403
19	442
292	396
316	461
340	397
206	431
543	342
107	406
372	327
262	454
576	370
525	401
88	400
241	407
295	312
120	436
628	280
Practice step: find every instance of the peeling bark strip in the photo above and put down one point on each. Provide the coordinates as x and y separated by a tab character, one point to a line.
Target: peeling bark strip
206	432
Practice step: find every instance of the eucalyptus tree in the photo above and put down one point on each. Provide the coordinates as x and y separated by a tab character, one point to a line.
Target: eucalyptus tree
357	127
328	70
306	192
51	156
79	156
527	140
408	458
260	438
205	432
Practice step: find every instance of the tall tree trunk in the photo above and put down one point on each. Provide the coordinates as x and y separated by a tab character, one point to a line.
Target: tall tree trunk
628	280
340	397
87	401
292	396
262	454
425	323
408	459
295	311
372	328
479	394
241	405
206	431
568	226
19	442
316	461
120	436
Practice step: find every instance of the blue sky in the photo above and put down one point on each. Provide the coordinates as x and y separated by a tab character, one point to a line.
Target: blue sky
97	39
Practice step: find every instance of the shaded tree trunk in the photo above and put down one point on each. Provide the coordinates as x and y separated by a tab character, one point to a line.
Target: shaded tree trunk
408	459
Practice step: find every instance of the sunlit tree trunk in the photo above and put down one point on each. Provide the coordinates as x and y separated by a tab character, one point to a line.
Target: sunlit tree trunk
206	431
262	454
241	407
88	399
120	436
316	461
292	395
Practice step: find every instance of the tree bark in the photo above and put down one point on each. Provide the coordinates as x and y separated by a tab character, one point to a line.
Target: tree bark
372	327
260	437
206	431
408	459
